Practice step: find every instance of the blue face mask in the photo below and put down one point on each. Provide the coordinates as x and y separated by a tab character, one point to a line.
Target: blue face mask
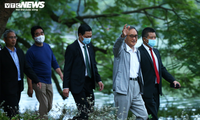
152	42
86	40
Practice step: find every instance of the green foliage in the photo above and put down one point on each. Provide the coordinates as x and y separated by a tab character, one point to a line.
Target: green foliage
107	112
3	116
104	113
27	115
187	113
176	23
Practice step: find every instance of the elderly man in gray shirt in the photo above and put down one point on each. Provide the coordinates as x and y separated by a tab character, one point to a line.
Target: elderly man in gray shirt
127	76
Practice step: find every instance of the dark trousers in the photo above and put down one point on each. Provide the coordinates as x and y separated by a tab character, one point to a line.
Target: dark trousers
152	104
11	103
85	99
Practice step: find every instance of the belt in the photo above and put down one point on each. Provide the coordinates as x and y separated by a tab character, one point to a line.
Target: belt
134	79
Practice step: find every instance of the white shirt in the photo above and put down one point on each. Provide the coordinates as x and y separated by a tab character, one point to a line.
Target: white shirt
156	60
134	62
83	51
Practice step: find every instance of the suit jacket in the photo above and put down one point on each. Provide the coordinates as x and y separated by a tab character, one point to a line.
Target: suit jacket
149	72
121	68
74	69
9	75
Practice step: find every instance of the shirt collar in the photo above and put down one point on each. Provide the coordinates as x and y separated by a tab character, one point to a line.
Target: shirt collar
129	49
146	47
81	44
15	50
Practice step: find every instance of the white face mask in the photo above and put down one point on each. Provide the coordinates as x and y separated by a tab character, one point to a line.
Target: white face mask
40	39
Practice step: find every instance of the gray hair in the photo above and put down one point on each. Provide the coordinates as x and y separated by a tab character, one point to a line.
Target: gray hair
131	27
6	33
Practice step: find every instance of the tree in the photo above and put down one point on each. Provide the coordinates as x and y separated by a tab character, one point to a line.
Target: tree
5	13
173	21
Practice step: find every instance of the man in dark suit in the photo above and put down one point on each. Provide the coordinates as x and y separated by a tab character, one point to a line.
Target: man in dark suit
80	72
12	68
153	71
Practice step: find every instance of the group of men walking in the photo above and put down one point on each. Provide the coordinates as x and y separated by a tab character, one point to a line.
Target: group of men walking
137	73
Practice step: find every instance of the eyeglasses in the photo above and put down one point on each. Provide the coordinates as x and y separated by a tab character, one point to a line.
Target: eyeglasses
11	37
132	36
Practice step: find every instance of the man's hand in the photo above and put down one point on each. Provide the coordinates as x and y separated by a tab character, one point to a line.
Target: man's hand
125	30
61	76
66	92
39	85
176	82
30	92
101	86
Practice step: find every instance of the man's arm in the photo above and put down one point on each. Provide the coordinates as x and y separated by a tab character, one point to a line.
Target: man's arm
118	46
28	64
118	43
97	76
30	73
166	75
67	70
58	70
55	65
30	87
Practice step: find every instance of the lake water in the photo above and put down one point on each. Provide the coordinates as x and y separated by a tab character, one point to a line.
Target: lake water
100	100
32	103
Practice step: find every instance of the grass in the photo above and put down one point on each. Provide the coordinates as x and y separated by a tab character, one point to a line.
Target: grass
106	112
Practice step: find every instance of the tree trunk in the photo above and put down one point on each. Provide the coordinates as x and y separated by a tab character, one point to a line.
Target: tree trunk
55	79
5	13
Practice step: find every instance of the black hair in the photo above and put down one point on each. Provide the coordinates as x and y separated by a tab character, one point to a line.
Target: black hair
34	28
84	27
146	30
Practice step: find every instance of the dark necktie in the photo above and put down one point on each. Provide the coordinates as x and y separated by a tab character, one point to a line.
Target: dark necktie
155	68
87	62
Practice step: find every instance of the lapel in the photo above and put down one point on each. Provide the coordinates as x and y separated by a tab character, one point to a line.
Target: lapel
89	50
90	54
79	50
147	55
125	49
5	50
